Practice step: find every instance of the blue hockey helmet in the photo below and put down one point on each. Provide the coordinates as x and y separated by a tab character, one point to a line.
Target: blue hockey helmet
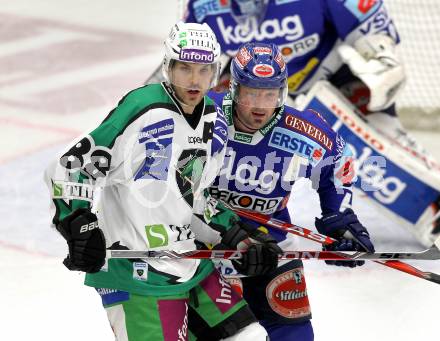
243	10
259	66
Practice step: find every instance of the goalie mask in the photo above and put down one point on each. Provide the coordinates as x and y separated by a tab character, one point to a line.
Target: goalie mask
249	13
191	58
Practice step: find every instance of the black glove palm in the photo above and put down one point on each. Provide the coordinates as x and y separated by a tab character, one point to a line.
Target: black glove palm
85	240
261	256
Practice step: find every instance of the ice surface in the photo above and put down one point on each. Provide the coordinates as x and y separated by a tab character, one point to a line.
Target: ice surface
63	66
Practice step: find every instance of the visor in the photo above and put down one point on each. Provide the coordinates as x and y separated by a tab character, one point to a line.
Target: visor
258	97
193	76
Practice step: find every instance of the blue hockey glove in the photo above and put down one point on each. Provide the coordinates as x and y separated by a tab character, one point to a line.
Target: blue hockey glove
85	240
350	234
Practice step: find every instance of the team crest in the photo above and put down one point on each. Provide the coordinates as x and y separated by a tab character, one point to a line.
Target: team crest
263	70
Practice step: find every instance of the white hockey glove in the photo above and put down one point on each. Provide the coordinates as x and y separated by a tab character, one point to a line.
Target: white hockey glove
374	60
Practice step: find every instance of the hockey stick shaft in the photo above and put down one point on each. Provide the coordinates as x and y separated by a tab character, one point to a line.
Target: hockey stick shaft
308	234
284	226
235	254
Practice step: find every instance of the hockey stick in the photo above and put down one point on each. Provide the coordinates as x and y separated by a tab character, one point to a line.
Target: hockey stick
317	237
428	254
308	234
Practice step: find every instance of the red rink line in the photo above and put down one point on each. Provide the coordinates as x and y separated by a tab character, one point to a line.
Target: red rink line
70	134
24	250
43	127
30	151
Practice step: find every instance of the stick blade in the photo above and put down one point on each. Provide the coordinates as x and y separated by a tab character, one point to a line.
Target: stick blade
437	243
430	276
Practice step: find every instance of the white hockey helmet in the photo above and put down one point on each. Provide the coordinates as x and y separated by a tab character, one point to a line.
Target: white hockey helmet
191	43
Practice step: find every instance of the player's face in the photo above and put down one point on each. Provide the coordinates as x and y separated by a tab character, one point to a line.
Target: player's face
254	107
191	81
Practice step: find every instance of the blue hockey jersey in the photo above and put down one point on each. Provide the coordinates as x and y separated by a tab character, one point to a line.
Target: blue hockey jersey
306	31
260	169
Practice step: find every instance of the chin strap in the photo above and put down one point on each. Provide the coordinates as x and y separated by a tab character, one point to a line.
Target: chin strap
244	124
235	116
174	95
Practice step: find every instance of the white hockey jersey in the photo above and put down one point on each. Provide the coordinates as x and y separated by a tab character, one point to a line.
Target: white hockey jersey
136	157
